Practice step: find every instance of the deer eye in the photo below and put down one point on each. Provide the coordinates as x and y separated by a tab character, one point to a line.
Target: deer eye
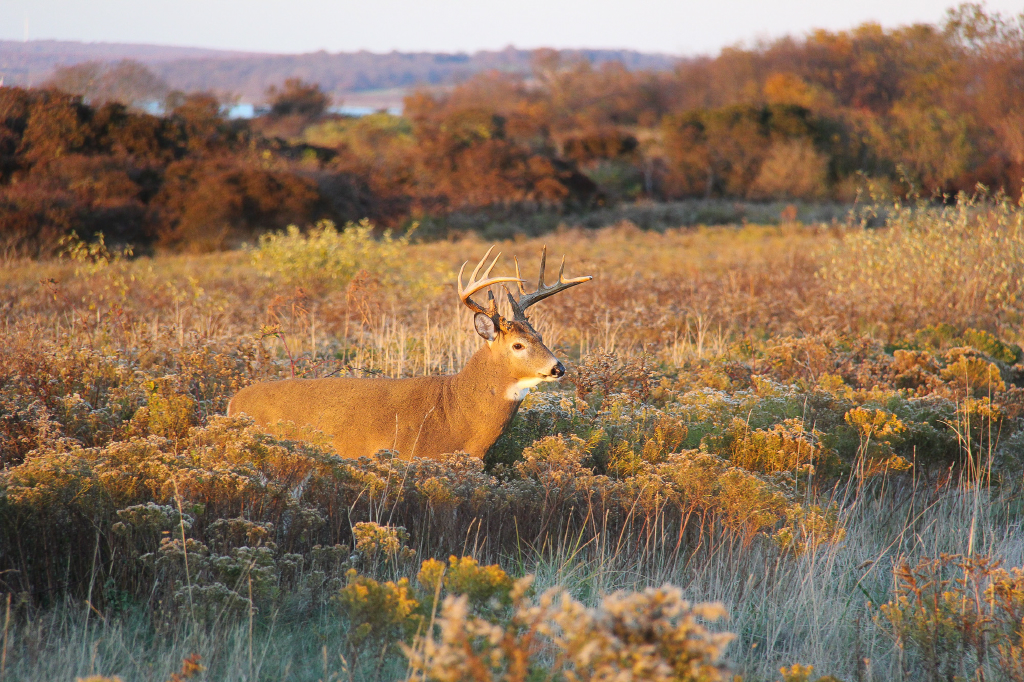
517	346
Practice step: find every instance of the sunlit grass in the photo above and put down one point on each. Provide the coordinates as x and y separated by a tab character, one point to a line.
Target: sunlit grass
729	426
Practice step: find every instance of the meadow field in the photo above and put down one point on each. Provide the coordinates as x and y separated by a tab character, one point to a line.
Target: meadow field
783	452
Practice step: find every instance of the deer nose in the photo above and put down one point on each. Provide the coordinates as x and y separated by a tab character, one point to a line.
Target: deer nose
558	370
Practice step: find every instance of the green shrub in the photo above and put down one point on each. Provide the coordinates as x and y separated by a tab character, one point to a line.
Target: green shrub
325	257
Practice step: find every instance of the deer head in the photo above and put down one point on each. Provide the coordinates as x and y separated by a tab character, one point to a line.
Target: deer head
515	344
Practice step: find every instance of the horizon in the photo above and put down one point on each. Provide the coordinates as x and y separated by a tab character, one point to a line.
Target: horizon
459	26
242	53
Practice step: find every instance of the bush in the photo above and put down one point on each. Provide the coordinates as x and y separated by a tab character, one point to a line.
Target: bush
325	256
651	635
958	265
957	616
793	170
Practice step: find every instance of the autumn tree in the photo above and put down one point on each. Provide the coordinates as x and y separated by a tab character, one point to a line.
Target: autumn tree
126	81
297	98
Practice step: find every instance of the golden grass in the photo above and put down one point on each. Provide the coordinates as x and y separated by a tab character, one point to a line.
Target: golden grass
771	418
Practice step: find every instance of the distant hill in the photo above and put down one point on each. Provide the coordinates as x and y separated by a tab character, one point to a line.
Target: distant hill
29	63
248	75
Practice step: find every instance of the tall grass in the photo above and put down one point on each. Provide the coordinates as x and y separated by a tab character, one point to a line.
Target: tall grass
774	418
962	264
817	609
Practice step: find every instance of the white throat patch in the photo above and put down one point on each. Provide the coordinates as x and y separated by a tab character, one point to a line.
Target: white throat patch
518	390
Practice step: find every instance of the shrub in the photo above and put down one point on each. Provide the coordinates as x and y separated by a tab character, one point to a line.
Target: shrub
326	257
650	635
372	539
960	264
957	616
791	170
208	205
379	613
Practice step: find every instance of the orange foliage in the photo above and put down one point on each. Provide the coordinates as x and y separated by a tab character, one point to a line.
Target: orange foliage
922	108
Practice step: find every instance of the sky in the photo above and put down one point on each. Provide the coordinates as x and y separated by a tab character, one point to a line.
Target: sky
681	27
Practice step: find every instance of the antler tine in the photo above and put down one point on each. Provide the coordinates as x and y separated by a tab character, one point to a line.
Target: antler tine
474	285
522	289
526	300
479	265
487	272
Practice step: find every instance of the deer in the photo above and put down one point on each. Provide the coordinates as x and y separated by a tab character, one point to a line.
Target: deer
426	416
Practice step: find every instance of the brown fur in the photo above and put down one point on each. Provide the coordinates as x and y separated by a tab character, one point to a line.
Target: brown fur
418	417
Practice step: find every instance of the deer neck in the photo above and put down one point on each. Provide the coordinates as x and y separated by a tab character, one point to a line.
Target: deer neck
486	393
487	379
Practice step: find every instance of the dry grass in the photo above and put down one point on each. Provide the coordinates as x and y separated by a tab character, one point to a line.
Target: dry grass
735	425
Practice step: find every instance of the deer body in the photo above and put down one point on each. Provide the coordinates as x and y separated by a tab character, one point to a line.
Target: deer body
418	417
422	416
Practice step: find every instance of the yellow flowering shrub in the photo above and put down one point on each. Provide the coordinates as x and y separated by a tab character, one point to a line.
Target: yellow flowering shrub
482	585
784	447
971	375
955	615
802	673
807	528
877	430
649	635
328	257
377	612
373	540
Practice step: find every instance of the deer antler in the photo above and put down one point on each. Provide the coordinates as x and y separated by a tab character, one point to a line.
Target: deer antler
525	300
476	285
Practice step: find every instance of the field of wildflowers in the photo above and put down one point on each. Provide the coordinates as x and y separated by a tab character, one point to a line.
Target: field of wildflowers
781	452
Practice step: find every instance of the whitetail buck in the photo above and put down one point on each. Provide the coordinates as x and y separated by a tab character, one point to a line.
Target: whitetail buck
426	416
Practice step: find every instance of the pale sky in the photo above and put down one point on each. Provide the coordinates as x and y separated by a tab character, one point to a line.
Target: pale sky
681	27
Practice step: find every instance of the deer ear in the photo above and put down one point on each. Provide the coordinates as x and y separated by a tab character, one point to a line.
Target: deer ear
485	326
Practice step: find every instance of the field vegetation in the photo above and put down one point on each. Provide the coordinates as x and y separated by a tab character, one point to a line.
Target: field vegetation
790	448
782	451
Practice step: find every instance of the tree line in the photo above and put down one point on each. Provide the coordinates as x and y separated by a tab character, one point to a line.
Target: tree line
935	108
930	109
